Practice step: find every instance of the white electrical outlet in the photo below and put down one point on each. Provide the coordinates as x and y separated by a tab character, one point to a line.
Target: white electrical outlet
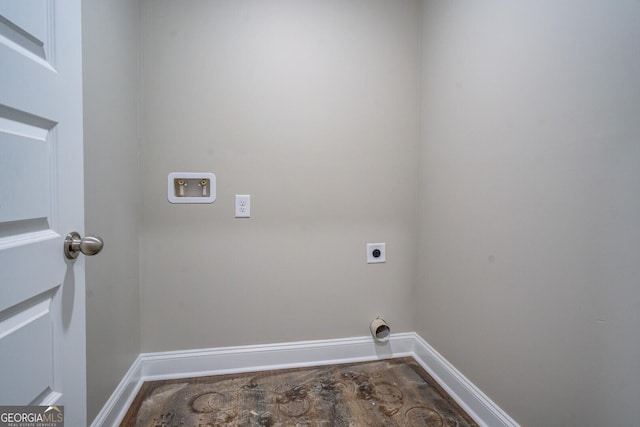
376	253
243	206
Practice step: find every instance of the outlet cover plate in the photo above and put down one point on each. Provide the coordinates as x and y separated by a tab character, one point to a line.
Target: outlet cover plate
379	249
243	206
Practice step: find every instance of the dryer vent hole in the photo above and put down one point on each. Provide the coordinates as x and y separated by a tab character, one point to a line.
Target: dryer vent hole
382	332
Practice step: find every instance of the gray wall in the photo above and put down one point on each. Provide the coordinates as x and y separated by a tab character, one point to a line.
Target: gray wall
310	107
530	204
525	168
110	52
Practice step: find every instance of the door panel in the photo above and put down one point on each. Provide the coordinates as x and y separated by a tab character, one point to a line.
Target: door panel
27	334
27	26
27	141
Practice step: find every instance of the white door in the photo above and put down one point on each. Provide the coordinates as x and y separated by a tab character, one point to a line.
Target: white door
42	297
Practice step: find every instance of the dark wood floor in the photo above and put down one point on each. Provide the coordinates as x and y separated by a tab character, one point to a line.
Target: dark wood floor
394	392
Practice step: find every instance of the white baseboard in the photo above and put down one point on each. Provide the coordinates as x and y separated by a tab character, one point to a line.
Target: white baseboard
227	360
122	397
216	361
477	404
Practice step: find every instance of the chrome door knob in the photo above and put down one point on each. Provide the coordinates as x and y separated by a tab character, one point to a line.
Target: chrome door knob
74	244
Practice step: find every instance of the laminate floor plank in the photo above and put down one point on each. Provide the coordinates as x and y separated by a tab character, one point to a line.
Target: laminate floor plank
386	393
